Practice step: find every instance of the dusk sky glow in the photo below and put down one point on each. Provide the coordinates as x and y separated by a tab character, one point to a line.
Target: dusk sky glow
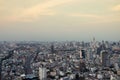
59	20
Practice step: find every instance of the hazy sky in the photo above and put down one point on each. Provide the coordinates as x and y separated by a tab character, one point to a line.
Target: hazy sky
52	20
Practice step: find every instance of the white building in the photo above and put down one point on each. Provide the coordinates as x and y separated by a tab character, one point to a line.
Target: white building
42	73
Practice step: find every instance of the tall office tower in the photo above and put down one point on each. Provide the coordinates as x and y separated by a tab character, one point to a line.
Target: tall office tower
82	54
105	58
89	54
99	50
42	73
52	49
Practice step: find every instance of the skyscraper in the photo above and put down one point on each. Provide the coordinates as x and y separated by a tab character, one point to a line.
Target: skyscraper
52	49
82	54
42	73
105	58
89	54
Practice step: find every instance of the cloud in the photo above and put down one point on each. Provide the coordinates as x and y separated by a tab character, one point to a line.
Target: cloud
85	15
34	12
95	19
116	8
40	9
46	8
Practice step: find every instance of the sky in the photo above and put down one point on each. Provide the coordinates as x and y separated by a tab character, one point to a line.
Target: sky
59	20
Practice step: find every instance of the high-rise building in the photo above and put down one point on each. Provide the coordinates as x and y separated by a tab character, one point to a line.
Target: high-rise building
89	54
52	49
82	54
105	58
42	73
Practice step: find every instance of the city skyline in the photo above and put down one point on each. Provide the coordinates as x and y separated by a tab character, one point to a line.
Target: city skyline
59	20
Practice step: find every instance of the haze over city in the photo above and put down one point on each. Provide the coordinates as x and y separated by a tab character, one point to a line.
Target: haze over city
59	20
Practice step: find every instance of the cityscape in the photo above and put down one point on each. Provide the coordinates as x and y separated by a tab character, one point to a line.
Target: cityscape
65	60
59	39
